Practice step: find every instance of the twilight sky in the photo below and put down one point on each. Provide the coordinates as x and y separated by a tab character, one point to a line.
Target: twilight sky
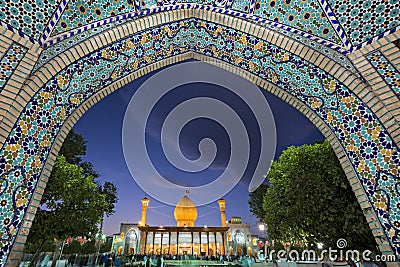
101	126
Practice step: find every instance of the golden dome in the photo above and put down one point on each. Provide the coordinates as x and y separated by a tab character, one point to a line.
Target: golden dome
185	212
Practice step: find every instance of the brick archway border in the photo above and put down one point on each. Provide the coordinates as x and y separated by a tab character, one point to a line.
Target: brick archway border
358	87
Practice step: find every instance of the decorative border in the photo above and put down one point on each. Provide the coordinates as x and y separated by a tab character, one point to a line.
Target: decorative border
388	64
46	41
335	23
380	36
343	75
21	54
63	36
50	41
52	23
20	33
348	48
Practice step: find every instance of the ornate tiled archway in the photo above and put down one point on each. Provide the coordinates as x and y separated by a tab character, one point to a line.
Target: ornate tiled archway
346	84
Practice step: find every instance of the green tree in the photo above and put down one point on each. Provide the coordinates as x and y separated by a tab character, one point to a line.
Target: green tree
89	247
71	206
73	203
73	148
111	192
73	247
310	200
256	200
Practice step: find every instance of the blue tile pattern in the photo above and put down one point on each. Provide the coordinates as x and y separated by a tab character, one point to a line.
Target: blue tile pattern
9	61
386	70
374	155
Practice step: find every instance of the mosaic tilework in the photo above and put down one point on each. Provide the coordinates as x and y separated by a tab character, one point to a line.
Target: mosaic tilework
358	22
246	6
307	16
79	12
63	45
30	17
386	70
364	19
389	184
325	50
219	3
149	3
302	15
9	62
366	142
223	3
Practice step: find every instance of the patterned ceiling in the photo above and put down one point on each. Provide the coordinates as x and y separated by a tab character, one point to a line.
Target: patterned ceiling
346	23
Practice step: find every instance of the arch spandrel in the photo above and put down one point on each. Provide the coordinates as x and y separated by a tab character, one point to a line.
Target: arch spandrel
27	156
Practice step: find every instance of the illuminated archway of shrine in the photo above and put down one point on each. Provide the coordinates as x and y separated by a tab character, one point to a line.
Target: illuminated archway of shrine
336	62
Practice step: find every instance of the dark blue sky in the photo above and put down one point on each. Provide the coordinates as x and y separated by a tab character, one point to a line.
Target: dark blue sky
101	126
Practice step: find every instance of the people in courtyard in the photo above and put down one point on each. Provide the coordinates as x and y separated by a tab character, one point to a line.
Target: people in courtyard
148	264
104	259
160	261
45	261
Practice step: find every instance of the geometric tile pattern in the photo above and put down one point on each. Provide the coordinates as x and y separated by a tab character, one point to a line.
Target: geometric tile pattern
307	16
325	50
246	6
63	45
303	15
29	16
79	13
357	21
364	19
9	62
386	70
368	145
60	46
390	185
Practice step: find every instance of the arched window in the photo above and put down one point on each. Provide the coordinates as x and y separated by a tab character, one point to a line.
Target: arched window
131	242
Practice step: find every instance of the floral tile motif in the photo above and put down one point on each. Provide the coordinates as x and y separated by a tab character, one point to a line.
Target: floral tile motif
307	16
302	15
386	70
361	20
63	45
79	13
9	62
364	19
390	183
243	5
366	142
325	50
30	17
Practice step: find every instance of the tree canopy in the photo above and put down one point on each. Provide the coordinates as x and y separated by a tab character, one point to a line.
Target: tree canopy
73	203
310	200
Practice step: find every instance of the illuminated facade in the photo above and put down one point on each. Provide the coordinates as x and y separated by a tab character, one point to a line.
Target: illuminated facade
232	238
239	237
184	238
